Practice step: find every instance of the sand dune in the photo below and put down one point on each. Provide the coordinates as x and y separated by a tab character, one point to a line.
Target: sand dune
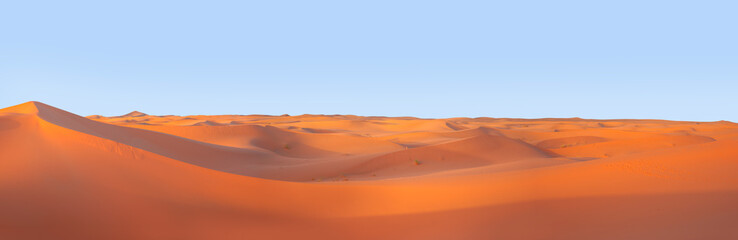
140	176
135	114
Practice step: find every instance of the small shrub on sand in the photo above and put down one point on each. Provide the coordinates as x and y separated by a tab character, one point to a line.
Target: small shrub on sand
287	146
416	162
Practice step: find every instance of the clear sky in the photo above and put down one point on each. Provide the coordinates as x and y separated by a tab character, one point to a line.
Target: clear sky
592	59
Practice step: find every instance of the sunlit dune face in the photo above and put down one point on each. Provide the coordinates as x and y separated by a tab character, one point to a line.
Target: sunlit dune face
141	176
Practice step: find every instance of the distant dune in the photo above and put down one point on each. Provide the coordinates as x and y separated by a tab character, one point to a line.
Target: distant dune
135	114
139	176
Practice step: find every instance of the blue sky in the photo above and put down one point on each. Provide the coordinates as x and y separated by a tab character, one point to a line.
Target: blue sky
592	59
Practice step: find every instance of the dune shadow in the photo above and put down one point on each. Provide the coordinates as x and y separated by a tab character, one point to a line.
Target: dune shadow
7	124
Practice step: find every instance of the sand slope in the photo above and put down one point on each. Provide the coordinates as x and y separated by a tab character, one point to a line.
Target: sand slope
347	177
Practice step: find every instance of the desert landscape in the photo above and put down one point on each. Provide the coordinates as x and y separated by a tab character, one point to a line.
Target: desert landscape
139	176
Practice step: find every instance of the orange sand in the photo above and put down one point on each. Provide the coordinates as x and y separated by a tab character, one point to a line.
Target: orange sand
138	176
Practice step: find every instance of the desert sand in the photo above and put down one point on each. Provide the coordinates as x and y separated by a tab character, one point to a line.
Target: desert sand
139	176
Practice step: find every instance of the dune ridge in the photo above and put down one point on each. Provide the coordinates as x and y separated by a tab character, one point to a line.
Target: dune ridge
140	176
